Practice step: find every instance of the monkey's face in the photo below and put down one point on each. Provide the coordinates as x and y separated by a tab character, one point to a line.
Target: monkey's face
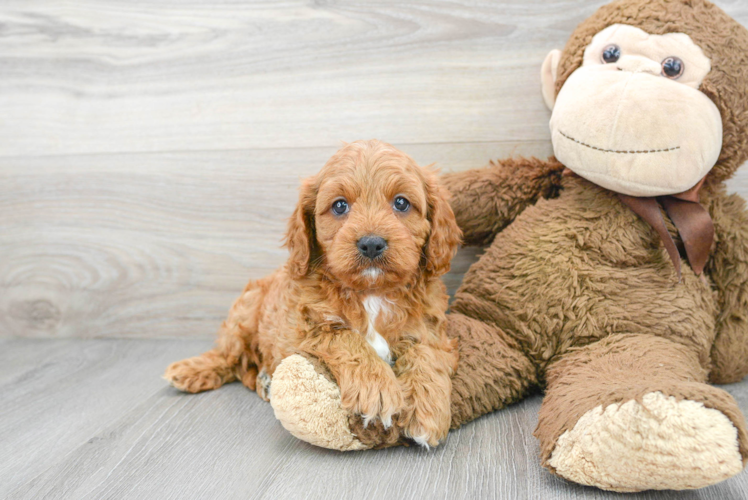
631	118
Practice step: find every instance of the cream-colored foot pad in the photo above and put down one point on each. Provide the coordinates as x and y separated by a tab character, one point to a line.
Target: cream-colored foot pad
308	405
662	444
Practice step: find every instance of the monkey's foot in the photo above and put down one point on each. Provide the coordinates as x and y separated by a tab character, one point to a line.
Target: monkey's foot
660	444
307	403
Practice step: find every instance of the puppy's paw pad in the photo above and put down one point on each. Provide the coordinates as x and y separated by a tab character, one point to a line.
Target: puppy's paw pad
264	382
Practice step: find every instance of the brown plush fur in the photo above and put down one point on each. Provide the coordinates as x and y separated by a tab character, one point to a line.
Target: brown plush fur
314	305
576	294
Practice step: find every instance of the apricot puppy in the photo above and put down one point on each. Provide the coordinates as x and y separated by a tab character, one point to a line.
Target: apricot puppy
368	241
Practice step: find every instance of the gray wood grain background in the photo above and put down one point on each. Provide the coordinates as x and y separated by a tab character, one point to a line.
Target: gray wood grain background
149	157
150	151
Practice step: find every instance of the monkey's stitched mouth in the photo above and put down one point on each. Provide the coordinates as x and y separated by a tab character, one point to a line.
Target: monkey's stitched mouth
619	151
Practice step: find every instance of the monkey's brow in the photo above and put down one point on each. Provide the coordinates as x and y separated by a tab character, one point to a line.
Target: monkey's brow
619	151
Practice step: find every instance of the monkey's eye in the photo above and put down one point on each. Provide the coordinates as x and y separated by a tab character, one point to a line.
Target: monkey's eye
401	204
339	207
672	67
611	53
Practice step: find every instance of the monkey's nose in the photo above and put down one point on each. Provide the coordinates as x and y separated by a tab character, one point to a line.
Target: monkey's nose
638	64
371	247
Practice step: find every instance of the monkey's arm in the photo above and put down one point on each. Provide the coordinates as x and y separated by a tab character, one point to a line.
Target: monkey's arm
485	200
728	269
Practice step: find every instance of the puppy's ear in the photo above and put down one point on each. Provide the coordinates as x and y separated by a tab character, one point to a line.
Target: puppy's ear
445	235
301	239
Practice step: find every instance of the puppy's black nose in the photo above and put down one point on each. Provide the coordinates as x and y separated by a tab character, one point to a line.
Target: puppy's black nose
371	246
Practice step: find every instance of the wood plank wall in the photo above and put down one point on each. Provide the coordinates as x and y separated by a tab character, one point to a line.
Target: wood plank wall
150	150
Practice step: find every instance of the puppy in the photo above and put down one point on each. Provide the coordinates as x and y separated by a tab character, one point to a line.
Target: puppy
368	241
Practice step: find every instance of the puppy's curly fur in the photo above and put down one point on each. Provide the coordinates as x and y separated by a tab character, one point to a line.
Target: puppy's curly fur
334	303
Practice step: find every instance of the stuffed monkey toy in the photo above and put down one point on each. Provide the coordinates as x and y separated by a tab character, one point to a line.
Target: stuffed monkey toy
616	273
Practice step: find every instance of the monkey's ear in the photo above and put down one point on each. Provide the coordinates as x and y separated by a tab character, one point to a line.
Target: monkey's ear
548	76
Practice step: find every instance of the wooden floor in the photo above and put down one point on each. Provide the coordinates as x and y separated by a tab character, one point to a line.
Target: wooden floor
92	419
149	157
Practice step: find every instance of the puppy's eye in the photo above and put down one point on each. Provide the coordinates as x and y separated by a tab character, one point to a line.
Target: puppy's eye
672	67
401	204
339	207
611	53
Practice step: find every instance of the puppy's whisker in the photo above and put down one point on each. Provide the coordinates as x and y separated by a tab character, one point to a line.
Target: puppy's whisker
316	261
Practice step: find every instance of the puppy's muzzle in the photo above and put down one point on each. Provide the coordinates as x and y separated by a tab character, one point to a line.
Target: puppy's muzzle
371	246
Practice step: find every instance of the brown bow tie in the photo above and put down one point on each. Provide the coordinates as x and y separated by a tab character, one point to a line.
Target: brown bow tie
691	219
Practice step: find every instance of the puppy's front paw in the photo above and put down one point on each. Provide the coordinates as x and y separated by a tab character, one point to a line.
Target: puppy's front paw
428	423
426	434
376	395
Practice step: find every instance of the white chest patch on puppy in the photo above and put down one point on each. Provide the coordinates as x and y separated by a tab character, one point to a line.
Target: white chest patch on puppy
374	307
